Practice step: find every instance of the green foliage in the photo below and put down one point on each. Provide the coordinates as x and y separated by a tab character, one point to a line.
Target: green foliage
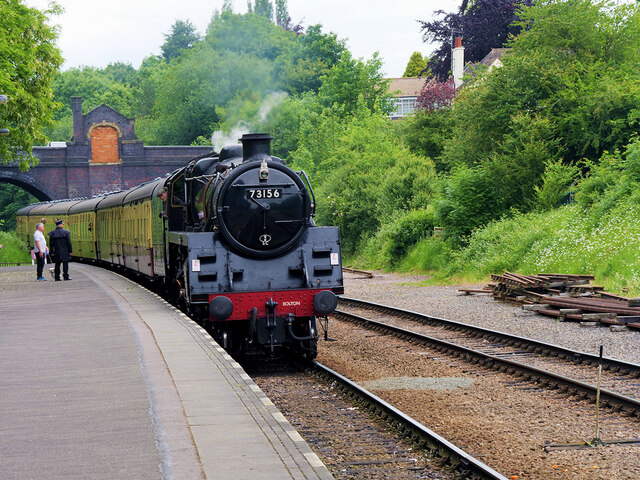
248	34
563	67
361	174
282	13
417	64
409	183
470	198
263	8
426	133
509	244
601	176
556	183
12	199
112	86
29	59
309	59
610	182
432	254
183	36
517	136
566	240
393	240
13	249
353	78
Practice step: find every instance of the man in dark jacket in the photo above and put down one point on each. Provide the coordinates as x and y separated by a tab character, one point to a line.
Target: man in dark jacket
60	250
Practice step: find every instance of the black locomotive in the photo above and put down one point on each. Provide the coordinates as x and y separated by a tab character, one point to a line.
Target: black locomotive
229	237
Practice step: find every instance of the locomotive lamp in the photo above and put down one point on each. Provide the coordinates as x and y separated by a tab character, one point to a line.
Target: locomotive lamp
264	171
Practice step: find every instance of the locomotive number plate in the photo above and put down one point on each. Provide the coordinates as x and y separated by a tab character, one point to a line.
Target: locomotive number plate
259	193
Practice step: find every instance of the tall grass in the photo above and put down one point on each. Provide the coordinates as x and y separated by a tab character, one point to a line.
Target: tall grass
565	240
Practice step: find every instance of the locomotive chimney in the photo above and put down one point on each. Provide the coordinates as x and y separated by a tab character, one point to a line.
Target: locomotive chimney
256	146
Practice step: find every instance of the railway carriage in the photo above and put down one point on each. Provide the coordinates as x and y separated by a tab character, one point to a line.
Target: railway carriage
229	237
81	223
109	236
58	210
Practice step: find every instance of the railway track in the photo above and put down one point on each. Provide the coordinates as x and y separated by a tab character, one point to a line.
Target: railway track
455	458
357	434
502	415
546	364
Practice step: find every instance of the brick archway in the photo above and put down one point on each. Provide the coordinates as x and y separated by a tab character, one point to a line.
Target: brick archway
27	183
104	155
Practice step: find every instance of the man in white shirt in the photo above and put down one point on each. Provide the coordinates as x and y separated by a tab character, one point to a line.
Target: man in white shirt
40	248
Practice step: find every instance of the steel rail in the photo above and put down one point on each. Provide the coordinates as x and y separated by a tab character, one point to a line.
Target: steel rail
571	386
535	346
456	458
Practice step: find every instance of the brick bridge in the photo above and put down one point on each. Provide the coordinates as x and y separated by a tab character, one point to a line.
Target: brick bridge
104	155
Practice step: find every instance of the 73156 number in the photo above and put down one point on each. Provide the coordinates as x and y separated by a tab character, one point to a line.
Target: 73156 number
259	193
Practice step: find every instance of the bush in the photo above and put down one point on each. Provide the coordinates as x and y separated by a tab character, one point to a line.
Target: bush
432	254
472	197
393	240
407	231
13	249
556	183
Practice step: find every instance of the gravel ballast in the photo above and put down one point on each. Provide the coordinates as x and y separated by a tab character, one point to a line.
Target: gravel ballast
503	421
408	292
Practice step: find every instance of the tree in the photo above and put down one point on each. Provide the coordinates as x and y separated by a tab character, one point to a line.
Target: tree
29	60
569	90
575	65
312	55
351	79
482	24
12	199
416	66
183	36
237	61
282	13
263	8
436	94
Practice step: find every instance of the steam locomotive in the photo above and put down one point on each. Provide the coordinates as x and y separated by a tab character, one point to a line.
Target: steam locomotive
230	237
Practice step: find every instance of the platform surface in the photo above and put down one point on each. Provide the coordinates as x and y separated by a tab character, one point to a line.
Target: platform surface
102	379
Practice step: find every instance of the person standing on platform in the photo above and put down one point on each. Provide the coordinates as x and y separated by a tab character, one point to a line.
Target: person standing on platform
40	250
60	240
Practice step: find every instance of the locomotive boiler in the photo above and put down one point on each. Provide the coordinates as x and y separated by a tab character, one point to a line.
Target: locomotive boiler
230	237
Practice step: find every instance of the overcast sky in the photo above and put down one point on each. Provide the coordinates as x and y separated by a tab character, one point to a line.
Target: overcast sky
98	33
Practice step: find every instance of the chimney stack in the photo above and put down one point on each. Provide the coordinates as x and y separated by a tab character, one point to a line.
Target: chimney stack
78	126
457	62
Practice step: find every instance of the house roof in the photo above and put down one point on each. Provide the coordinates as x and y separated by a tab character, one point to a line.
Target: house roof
492	56
407	86
491	59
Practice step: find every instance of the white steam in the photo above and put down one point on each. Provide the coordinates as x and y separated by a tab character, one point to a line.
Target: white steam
220	138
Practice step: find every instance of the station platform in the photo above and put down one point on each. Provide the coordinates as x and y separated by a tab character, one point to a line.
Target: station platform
102	379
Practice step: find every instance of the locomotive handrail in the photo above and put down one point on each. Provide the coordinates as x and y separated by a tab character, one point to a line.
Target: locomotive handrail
200	177
302	173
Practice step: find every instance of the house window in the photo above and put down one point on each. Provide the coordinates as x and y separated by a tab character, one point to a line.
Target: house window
404	106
